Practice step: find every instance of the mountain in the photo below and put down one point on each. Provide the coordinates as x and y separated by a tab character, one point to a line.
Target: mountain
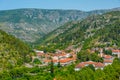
31	24
13	52
93	31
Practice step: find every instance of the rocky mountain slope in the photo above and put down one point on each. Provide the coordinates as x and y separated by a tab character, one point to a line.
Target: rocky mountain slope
31	24
93	31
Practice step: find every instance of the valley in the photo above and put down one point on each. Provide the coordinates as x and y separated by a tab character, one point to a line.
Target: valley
42	44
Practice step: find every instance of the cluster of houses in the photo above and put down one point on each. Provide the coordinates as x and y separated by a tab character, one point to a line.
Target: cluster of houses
68	58
59	57
84	64
108	59
98	65
114	51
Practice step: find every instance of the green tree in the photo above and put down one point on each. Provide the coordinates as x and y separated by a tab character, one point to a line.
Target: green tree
37	61
52	68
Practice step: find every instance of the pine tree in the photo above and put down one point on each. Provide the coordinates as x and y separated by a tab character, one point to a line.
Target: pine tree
52	68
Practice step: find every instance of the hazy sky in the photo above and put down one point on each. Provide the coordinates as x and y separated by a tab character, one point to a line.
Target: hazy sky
85	5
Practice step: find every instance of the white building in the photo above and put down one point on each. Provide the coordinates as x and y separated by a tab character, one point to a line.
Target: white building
97	65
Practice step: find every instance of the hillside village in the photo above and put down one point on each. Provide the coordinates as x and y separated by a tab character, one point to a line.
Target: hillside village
59	57
64	59
60	40
107	59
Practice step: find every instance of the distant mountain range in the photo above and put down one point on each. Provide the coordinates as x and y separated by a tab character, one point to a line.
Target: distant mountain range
32	24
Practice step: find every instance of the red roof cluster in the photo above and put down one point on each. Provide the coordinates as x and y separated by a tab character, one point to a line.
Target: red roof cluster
50	61
65	60
61	61
80	65
115	51
107	61
99	64
107	56
96	64
59	54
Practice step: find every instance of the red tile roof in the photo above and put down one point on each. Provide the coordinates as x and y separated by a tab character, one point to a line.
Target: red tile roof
90	62
59	54
96	64
99	64
108	61
47	60
50	61
65	60
107	56
80	65
115	50
62	60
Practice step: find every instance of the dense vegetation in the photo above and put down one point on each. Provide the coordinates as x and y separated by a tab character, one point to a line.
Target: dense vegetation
85	55
13	52
110	72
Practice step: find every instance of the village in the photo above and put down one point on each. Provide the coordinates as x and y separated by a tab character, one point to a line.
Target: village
63	58
59	57
107	59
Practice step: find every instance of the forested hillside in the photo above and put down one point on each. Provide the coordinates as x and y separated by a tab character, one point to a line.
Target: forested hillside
13	52
92	31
